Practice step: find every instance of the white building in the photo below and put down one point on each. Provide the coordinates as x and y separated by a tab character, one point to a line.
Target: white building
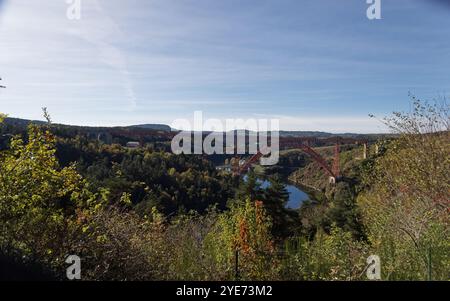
133	144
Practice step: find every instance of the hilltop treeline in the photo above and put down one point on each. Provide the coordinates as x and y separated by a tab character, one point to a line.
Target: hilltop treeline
146	214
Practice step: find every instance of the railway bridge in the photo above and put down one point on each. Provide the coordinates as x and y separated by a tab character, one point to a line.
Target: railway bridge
304	143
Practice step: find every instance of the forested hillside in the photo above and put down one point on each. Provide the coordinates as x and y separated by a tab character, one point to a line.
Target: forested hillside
147	214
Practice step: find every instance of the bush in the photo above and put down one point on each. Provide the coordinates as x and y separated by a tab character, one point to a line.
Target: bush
405	210
334	256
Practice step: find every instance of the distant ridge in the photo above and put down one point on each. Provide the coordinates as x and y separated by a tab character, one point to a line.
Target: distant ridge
18	122
21	122
24	122
156	127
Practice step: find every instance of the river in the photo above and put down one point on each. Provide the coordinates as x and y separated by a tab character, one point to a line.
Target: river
296	195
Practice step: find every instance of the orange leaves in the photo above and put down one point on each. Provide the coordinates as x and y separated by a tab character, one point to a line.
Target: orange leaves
243	239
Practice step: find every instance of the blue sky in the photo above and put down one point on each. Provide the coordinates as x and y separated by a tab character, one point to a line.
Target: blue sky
314	64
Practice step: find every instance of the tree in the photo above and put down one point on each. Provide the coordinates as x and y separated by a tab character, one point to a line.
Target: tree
275	200
343	211
244	229
250	187
39	201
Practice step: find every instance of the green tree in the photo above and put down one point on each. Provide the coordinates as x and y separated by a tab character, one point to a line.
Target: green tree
275	199
250	187
343	212
245	229
39	201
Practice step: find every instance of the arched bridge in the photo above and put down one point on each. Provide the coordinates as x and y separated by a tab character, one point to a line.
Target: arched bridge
304	143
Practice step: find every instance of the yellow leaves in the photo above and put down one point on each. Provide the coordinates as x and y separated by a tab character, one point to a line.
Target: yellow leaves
157	217
57	217
125	199
102	238
35	195
2	117
172	171
98	206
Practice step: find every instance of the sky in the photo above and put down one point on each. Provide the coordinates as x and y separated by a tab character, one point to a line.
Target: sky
313	64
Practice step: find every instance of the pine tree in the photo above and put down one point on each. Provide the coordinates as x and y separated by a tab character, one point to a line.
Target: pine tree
250	188
275	200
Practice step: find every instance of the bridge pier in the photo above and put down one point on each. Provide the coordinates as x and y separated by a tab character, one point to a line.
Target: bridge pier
365	151
332	180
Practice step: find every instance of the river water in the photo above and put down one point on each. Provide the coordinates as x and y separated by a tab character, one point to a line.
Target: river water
296	196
